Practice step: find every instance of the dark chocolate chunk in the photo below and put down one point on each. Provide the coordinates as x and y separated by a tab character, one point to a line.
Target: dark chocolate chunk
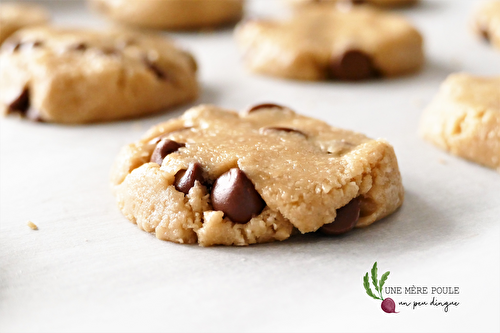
358	2
79	47
21	103
353	65
11	46
483	29
159	73
185	179
346	219
264	106
34	44
235	195
265	130
163	148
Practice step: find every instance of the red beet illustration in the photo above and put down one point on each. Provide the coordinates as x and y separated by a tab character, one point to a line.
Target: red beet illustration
388	306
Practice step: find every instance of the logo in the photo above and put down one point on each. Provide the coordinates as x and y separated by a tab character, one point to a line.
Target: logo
388	305
415	296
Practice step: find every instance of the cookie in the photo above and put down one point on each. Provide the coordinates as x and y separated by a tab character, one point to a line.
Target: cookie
486	22
81	76
326	42
464	118
14	16
378	3
171	14
215	177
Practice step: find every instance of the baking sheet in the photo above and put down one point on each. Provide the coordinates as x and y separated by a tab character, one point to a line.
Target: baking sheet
87	269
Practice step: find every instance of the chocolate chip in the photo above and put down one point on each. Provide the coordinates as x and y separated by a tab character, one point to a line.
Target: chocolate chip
163	148
34	44
235	195
159	73
483	29
346	219
79	47
265	130
110	51
358	2
264	106
185	179
12	46
21	103
352	65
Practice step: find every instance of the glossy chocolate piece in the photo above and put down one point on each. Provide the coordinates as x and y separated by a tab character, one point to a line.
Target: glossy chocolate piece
185	179
353	65
346	219
163	148
235	195
264	106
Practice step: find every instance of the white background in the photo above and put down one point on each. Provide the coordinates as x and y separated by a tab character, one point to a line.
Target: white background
87	269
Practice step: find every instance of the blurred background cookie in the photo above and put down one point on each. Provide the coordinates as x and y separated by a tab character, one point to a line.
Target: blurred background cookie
379	3
325	42
171	14
486	22
78	76
14	16
464	118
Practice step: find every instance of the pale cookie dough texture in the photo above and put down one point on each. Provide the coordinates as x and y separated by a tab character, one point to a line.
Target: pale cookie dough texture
14	16
252	177
464	118
379	3
328	42
171	14
80	76
486	22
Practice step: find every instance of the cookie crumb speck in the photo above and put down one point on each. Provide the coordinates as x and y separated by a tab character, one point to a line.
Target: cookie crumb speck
442	161
32	225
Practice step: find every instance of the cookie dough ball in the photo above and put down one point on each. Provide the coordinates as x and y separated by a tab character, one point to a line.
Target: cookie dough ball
487	22
215	176
379	3
327	42
171	14
81	76
14	16
464	118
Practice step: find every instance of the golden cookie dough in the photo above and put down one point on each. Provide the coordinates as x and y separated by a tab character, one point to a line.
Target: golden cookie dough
81	76
378	3
464	118
171	14
14	16
487	22
327	42
253	177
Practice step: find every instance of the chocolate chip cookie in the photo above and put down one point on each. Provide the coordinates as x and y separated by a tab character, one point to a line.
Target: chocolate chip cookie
80	76
326	42
14	16
379	3
464	118
487	22
171	14
215	176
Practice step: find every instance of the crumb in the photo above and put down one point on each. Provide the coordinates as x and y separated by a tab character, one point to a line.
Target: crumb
86	240
32	225
442	161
